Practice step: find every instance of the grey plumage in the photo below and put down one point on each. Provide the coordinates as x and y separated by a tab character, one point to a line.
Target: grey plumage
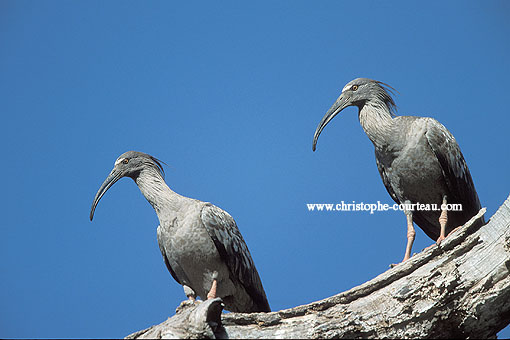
199	241
418	158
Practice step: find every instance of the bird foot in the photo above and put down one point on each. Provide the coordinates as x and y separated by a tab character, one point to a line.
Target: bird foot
186	304
393	265
454	230
432	245
440	239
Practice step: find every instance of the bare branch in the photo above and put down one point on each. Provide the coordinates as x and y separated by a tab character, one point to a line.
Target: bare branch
460	289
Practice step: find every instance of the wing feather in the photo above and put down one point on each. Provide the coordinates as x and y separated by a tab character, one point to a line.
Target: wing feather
456	173
161	243
385	179
234	252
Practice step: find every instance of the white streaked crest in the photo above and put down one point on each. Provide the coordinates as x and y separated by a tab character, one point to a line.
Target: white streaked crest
346	87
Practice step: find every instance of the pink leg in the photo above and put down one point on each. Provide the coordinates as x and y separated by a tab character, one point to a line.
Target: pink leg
443	218
410	236
212	292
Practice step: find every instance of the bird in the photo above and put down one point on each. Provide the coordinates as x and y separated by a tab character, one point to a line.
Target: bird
201	244
419	160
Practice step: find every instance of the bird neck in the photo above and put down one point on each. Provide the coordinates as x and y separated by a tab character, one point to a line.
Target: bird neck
164	200
376	120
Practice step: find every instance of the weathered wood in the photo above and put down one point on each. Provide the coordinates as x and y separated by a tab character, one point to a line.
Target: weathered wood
460	289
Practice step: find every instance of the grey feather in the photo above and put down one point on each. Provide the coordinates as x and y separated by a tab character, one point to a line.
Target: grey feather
199	242
418	158
233	250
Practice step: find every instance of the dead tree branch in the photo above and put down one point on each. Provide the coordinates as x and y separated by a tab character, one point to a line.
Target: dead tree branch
460	289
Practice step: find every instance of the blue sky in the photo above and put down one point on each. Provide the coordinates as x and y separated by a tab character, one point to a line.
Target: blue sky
229	96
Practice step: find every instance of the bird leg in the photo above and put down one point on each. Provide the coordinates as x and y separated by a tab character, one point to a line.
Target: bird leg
212	292
190	293
443	218
410	235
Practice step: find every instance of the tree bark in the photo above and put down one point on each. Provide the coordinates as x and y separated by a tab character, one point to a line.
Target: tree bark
459	289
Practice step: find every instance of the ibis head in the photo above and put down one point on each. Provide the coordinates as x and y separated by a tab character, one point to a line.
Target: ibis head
357	92
129	164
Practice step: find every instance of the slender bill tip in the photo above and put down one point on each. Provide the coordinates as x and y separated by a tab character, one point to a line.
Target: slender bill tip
317	134
338	106
113	177
93	208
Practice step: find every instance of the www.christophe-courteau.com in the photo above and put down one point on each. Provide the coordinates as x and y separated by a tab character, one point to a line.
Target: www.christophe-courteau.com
371	207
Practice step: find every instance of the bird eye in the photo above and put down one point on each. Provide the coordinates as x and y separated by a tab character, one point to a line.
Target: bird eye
354	87
125	161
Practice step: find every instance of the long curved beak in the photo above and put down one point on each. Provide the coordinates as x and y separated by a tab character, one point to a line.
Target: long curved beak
340	104
113	177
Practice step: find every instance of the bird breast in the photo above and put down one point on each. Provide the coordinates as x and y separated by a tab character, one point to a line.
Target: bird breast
413	167
191	251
